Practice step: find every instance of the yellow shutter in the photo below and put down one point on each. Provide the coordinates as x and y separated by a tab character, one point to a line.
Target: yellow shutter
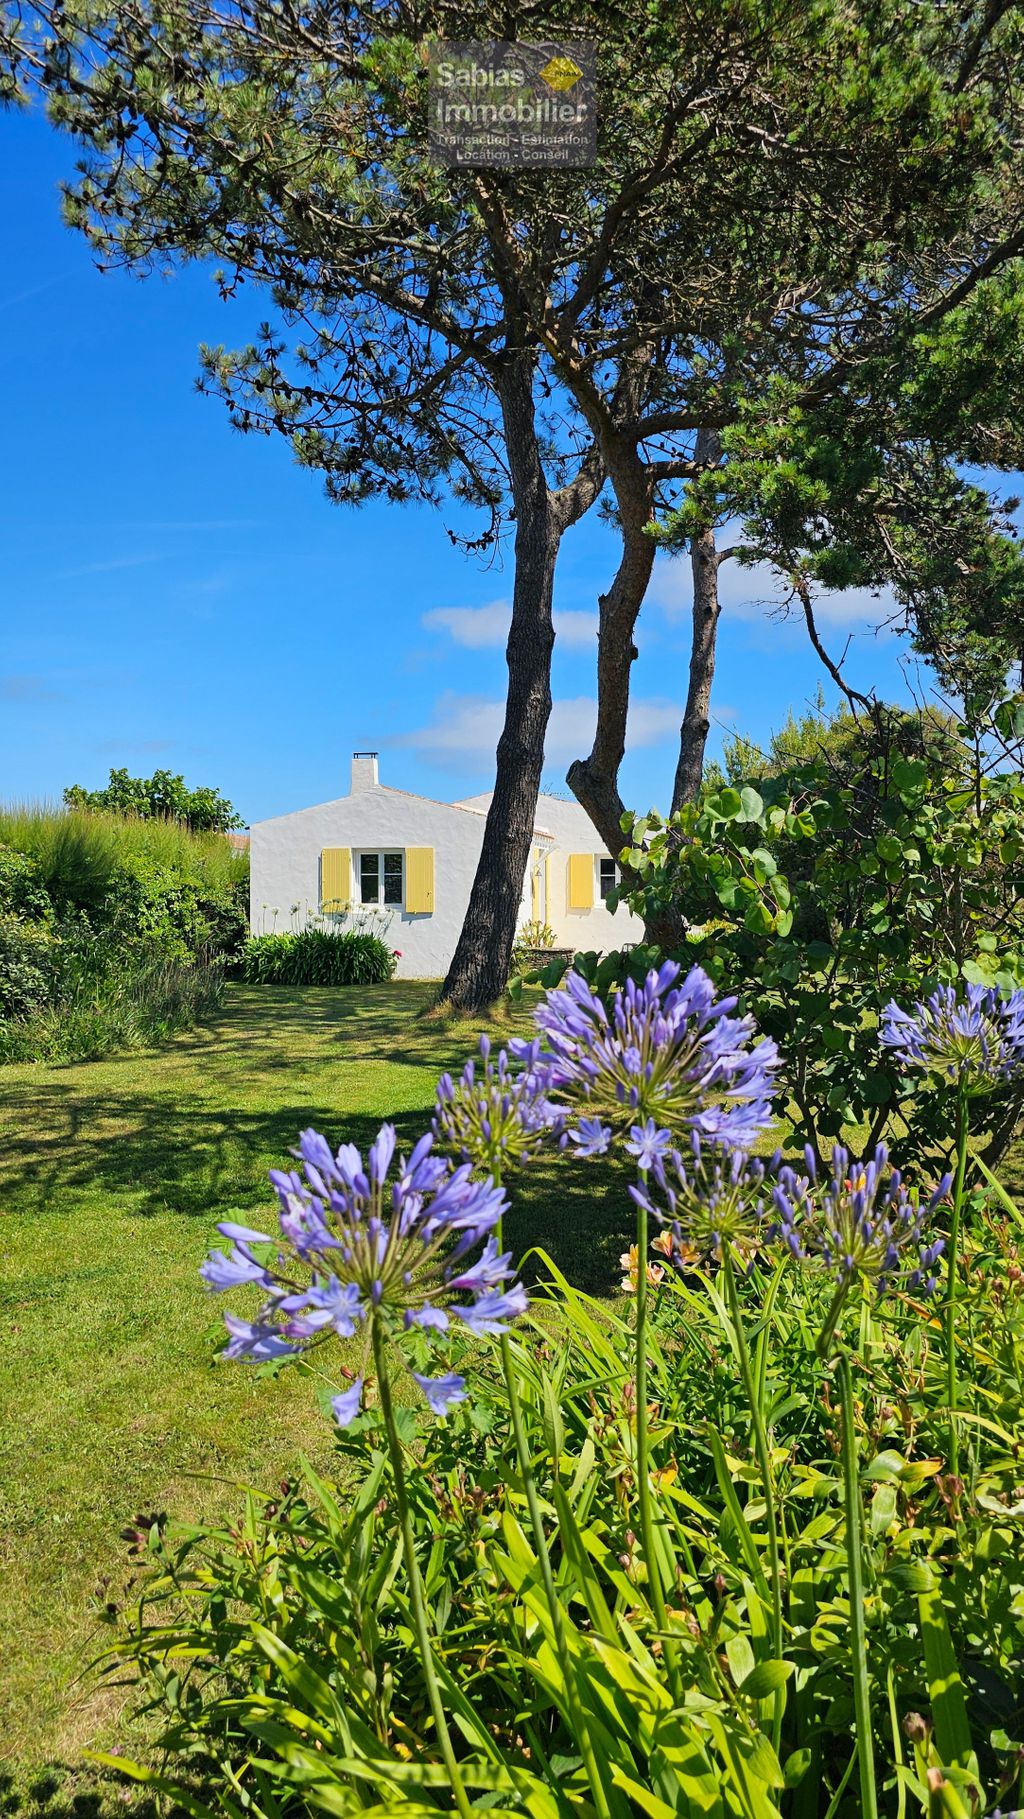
534	884
581	881
335	877
419	880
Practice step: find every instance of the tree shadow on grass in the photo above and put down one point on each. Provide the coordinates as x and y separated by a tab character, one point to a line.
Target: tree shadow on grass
65	1792
201	1163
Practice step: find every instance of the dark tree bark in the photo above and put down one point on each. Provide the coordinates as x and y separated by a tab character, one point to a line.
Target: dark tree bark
594	781
478	972
693	734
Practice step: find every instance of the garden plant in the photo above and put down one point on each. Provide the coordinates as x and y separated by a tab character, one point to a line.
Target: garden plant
115	929
319	954
745	1543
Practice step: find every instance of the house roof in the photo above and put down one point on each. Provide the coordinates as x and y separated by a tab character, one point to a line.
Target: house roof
479	809
415	796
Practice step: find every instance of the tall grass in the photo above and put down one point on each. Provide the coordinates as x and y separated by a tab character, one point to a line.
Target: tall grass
81	852
137	915
98	1014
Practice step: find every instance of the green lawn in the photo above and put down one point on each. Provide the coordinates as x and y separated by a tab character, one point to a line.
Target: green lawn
112	1176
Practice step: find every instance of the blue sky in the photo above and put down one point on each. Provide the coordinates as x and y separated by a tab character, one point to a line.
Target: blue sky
174	594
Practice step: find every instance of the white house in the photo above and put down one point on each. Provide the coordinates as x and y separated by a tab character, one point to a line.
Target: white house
413	861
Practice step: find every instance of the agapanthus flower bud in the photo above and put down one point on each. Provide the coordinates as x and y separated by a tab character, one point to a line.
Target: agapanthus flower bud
971	1035
362	1242
712	1200
862	1222
667	1053
496	1116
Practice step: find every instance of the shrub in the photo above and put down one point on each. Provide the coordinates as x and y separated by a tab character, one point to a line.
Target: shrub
164	796
317	956
113	929
697	1556
26	966
151	881
828	890
22	892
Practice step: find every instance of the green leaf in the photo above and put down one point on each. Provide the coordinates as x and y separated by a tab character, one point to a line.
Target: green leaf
883	1508
945	1687
795	1767
765	1679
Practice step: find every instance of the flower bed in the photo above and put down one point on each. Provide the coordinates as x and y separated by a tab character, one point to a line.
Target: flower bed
747	1546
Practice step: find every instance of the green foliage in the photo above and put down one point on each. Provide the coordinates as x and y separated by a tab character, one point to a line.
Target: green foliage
317	956
162	796
83	1003
877	870
22	891
25	966
531	939
291	1630
111	922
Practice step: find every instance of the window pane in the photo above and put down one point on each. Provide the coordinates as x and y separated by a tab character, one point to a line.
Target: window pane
608	879
392	877
369	877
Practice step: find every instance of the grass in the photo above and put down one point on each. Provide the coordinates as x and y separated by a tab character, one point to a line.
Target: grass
80	852
112	1177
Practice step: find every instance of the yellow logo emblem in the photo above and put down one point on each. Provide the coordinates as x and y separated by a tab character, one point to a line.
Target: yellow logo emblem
561	73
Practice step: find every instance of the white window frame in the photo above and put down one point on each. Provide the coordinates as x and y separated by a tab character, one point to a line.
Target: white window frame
380	853
602	861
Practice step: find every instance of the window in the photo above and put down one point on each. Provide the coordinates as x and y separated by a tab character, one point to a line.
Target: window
609	876
380	878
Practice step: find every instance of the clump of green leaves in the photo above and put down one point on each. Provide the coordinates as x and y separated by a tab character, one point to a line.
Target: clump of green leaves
318	956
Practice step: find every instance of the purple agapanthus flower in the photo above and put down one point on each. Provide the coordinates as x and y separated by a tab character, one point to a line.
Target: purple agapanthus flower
346	1407
713	1201
971	1035
360	1241
648	1144
667	1050
861	1222
591	1137
442	1393
495	1116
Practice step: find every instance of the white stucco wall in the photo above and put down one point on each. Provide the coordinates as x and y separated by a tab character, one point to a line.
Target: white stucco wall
573	832
285	866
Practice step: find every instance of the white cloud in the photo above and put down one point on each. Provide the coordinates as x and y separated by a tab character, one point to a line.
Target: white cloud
479	628
476	628
756	593
577	630
465	729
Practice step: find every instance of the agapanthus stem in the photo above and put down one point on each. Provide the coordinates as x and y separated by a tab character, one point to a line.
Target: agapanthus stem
417	1599
855	1581
643	1469
953	1274
764	1463
579	1723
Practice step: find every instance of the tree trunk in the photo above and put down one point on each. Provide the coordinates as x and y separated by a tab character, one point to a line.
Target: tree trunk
594	781
479	969
693	734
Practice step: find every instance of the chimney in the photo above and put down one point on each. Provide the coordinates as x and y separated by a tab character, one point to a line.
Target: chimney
364	771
